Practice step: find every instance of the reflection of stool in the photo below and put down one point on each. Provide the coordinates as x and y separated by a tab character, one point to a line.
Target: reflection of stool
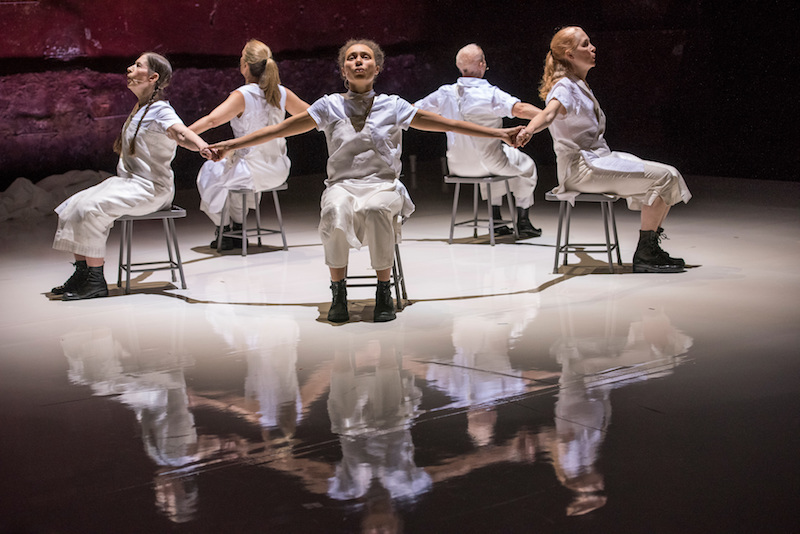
398	279
258	231
173	264
564	213
475	221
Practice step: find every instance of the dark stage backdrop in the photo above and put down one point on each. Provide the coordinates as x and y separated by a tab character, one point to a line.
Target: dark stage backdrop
702	85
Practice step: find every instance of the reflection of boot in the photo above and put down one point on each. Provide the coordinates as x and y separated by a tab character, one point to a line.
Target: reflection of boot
499	228
661	236
338	312
384	304
649	258
74	281
524	226
93	286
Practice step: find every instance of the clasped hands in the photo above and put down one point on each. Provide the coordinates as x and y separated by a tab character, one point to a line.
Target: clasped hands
214	152
517	136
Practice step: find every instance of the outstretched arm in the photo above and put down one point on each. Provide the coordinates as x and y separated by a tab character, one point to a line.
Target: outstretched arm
523	110
232	106
540	121
431	122
188	139
294	125
294	104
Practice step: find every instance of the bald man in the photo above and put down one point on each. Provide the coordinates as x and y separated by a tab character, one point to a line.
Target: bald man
474	99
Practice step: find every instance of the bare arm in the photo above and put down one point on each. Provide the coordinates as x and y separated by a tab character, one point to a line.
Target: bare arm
294	104
541	121
523	110
233	106
431	122
187	138
294	125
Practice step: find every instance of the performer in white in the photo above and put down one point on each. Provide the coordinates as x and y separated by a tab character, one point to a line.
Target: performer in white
144	183
260	102
474	99
363	196
586	164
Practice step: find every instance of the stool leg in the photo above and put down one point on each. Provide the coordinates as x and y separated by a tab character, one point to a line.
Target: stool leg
257	200
566	234
475	189
513	207
614	227
604	210
277	205
402	276
561	210
129	238
453	215
489	207
178	261
222	218
169	249
244	224
123	228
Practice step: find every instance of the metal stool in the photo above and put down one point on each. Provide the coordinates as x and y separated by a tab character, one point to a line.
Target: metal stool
398	279
565	211
173	264
258	231
475	221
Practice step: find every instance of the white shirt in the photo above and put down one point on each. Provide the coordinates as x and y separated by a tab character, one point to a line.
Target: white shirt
154	150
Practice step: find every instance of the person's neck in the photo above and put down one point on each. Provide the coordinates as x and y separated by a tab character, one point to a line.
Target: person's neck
360	88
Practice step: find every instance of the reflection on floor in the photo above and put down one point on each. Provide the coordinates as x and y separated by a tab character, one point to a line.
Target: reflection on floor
233	406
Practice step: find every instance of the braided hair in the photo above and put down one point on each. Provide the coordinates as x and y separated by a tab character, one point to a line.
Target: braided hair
158	64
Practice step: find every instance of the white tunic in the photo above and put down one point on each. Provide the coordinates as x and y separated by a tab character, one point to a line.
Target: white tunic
586	163
476	100
364	137
260	167
144	183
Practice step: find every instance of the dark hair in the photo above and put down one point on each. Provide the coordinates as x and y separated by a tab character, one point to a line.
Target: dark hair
372	45
158	64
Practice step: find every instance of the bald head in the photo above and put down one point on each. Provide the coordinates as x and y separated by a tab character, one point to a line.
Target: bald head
471	61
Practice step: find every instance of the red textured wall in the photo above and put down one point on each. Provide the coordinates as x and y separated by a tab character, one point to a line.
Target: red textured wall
68	29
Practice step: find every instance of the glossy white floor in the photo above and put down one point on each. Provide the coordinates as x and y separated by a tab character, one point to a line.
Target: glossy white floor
503	398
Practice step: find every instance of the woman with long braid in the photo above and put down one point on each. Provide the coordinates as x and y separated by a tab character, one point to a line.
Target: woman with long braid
260	102
144	183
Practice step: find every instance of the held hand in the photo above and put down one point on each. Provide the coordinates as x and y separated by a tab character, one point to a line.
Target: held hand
523	137
219	150
207	153
509	136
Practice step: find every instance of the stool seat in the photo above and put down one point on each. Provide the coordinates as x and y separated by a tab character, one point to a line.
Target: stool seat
174	262
258	231
606	202
477	222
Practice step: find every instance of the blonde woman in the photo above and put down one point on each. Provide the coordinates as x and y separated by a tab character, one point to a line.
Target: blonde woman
363	195
261	101
144	182
586	164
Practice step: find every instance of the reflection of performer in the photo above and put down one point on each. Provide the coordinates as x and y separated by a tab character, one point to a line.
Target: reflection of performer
480	372
270	345
372	415
156	391
591	368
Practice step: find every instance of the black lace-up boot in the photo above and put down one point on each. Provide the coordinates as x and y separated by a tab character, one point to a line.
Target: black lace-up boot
338	312
74	281
94	286
663	237
384	304
649	258
524	226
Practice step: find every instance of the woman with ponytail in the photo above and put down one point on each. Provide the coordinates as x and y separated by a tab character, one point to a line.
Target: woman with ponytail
261	101
586	164
144	182
363	194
